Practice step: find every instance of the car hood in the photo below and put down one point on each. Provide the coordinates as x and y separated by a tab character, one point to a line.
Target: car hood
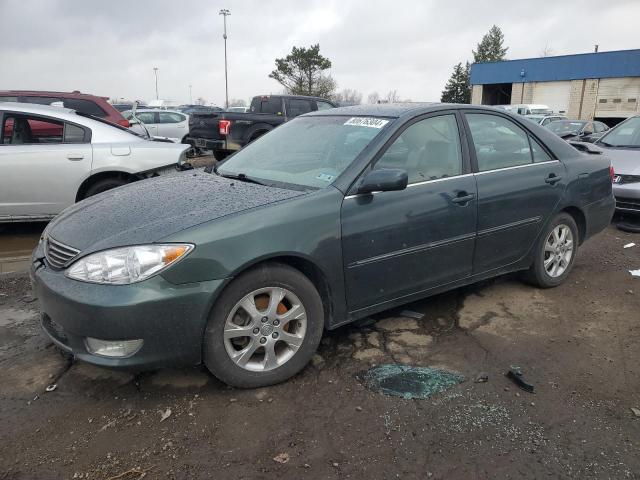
149	210
625	161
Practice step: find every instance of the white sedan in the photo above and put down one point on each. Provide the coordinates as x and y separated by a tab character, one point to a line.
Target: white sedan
52	157
169	124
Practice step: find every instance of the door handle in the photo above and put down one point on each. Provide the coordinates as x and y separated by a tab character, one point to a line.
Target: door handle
463	197
75	156
552	178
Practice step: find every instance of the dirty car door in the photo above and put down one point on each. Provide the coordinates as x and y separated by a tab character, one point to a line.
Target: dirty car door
519	185
401	242
42	163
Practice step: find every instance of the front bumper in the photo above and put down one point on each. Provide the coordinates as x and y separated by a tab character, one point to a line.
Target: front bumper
627	197
169	318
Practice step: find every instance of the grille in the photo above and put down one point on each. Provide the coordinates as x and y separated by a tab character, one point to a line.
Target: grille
628	203
628	179
58	254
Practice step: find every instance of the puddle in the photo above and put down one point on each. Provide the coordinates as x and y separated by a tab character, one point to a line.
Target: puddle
409	382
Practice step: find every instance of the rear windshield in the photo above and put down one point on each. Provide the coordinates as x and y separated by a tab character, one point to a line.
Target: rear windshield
563	127
307	152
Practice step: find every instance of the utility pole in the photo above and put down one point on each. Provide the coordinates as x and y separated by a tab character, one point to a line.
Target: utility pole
155	71
190	96
224	12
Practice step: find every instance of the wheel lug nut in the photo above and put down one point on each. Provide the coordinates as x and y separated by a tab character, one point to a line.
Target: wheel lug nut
274	335
263	340
264	319
256	331
276	323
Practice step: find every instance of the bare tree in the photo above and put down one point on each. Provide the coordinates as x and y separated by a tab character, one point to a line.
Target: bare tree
373	97
392	97
348	96
237	102
547	51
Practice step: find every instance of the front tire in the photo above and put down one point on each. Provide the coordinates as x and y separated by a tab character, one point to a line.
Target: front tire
555	252
264	328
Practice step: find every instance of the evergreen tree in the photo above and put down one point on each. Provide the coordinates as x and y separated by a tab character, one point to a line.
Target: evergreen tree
457	89
301	72
491	48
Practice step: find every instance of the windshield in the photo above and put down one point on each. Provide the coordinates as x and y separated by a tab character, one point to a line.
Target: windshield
560	126
309	151
627	134
534	118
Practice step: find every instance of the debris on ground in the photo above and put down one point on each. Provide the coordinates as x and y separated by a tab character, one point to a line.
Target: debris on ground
636	411
635	273
409	382
482	378
51	388
515	374
412	314
629	245
281	458
166	414
131	474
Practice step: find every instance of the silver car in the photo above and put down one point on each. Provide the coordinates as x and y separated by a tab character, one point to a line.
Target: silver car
51	157
622	145
169	124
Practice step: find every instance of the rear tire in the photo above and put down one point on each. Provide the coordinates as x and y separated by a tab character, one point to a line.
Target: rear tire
274	338
555	252
104	185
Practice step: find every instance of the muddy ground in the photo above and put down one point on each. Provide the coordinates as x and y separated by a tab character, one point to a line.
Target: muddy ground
579	344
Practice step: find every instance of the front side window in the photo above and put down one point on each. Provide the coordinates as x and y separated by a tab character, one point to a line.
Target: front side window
146	117
28	130
429	149
323	105
498	142
307	152
170	117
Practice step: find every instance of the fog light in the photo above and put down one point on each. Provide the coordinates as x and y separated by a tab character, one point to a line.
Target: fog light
113	348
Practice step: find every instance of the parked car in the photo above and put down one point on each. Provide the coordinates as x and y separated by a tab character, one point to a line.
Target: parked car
622	145
169	124
527	109
189	109
544	120
332	217
80	102
581	130
68	158
227	132
123	107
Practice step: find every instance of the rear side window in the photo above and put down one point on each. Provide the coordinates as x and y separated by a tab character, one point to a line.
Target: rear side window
272	105
73	134
539	154
429	149
499	143
170	117
298	107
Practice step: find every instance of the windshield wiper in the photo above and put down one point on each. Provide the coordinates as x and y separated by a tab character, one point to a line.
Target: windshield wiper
242	177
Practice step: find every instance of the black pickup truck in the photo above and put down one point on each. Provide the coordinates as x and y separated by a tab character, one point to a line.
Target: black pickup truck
226	132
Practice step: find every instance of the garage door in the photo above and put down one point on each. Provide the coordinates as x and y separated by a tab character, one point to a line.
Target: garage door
553	94
618	97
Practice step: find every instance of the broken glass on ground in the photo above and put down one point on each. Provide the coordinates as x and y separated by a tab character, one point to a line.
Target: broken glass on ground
409	382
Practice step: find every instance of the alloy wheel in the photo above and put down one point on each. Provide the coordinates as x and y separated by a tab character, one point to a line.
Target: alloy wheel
265	329
558	250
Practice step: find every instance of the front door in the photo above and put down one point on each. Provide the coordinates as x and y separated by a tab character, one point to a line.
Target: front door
42	164
519	185
399	243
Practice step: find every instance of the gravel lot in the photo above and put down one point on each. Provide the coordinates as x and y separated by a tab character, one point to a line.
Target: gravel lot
579	344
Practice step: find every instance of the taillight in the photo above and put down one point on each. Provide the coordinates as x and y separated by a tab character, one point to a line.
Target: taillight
224	126
612	174
124	123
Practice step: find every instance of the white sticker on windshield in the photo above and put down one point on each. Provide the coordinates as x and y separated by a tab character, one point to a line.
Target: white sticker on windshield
325	177
370	122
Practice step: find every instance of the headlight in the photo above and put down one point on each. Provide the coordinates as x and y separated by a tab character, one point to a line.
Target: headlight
125	265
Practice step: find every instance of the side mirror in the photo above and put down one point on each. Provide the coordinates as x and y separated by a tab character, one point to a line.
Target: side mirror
384	180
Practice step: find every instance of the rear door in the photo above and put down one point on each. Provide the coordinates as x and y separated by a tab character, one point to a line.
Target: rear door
519	185
43	161
172	125
396	244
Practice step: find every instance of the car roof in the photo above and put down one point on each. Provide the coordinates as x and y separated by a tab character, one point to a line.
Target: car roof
396	110
45	93
36	109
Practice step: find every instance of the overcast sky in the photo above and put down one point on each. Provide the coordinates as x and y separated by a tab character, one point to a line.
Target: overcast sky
110	48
